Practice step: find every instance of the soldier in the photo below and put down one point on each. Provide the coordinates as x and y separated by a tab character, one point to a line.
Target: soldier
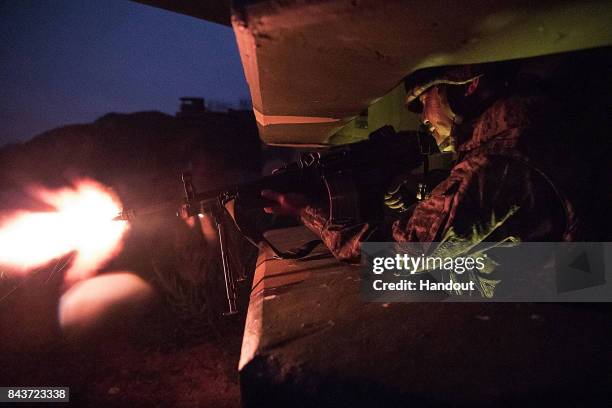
521	171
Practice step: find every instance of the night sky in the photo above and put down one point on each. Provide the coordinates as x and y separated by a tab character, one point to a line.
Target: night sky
71	61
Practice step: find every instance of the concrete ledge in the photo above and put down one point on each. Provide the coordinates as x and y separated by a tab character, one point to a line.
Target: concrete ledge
311	341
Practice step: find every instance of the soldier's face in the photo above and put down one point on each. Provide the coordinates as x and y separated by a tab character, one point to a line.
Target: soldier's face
437	115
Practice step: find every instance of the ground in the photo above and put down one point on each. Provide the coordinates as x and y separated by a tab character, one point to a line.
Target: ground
161	362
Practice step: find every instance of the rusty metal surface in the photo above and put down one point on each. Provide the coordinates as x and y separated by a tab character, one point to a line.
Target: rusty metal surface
311	341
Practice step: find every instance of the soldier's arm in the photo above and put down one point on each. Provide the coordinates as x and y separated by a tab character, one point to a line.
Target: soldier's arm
496	197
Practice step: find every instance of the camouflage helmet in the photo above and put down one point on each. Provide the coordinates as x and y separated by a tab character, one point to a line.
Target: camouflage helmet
422	80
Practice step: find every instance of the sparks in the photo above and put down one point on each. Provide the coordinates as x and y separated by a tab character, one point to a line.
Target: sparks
80	222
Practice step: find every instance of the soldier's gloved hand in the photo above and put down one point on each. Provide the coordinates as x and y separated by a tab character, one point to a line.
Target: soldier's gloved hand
401	194
289	204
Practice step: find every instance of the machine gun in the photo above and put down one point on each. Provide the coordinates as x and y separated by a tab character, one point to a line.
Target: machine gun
350	180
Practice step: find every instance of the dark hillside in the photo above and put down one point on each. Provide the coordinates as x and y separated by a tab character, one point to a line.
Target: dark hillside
134	152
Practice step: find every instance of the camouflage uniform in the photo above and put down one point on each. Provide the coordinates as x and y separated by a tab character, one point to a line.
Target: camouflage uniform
495	190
